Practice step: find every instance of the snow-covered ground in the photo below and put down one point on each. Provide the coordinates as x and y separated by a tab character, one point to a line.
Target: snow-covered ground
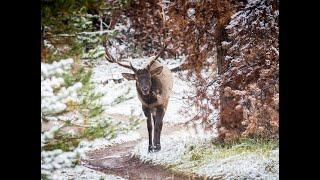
119	96
83	173
243	166
172	146
60	165
252	165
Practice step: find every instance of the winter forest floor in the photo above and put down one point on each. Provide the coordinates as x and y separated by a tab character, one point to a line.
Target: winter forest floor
119	160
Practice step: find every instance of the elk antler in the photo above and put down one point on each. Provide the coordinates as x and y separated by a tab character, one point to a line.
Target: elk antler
157	56
162	15
111	59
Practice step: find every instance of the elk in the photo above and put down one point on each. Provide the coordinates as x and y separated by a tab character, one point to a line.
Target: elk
154	85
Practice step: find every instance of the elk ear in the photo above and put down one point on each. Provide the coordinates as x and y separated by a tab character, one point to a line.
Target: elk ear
156	71
129	76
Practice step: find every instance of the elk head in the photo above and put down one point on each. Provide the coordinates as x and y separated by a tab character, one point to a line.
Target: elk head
141	76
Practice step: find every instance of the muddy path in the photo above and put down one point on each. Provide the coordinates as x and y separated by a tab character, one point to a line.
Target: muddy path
117	160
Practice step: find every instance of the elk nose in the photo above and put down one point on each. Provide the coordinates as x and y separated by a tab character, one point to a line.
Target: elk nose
144	89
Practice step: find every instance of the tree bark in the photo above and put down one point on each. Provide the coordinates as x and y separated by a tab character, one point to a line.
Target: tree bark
221	36
226	104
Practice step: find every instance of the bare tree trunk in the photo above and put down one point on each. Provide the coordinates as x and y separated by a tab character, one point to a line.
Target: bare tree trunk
227	105
42	44
221	36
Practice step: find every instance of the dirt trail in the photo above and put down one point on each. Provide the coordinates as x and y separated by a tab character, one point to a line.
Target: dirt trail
117	159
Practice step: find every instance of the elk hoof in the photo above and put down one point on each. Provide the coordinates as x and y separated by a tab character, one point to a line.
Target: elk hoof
157	148
150	149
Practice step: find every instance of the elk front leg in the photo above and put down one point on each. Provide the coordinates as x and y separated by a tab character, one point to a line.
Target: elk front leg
147	113
158	122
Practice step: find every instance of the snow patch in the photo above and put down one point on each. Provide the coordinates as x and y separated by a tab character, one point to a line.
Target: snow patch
83	173
243	166
172	147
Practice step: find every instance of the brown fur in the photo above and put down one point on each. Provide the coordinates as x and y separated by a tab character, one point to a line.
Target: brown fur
160	89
